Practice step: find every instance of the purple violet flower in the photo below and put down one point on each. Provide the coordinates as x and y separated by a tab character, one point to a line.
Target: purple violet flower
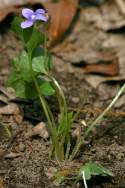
32	17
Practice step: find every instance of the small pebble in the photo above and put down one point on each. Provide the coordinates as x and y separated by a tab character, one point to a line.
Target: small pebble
75	100
21	147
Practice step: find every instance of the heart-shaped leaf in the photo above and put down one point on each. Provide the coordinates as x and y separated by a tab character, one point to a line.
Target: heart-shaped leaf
47	89
93	169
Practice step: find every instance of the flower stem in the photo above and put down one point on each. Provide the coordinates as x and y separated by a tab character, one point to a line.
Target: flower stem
61	97
64	123
43	103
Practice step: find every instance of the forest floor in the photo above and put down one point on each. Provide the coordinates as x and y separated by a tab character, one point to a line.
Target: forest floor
24	158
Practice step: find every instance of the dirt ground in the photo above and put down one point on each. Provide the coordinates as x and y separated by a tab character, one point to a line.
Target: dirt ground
30	168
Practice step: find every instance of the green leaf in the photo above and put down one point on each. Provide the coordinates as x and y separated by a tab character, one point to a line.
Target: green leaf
27	34
15	73
36	38
15	63
20	70
13	78
24	67
46	88
23	89
15	26
60	178
41	64
31	37
21	79
87	173
19	88
30	91
49	63
16	79
93	169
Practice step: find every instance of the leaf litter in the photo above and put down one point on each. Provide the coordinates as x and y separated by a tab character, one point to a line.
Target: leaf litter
102	58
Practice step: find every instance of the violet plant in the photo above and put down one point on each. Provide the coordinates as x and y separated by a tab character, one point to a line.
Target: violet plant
32	78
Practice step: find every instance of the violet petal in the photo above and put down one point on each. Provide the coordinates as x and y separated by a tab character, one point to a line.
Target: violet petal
26	24
40	11
27	13
41	17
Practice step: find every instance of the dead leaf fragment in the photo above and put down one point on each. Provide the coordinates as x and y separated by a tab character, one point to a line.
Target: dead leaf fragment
95	80
121	5
120	102
41	130
18	118
2	152
62	13
12	155
2	182
108	16
110	69
12	109
76	132
9	109
50	172
8	92
3	99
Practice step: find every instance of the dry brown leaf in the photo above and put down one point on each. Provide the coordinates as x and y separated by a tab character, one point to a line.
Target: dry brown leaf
117	43
76	133
2	182
3	99
96	80
121	4
4	3
12	155
9	109
2	152
18	118
50	172
41	130
110	69
62	14
105	63
12	109
107	91
83	45
107	16
121	102
88	45
7	7
8	92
